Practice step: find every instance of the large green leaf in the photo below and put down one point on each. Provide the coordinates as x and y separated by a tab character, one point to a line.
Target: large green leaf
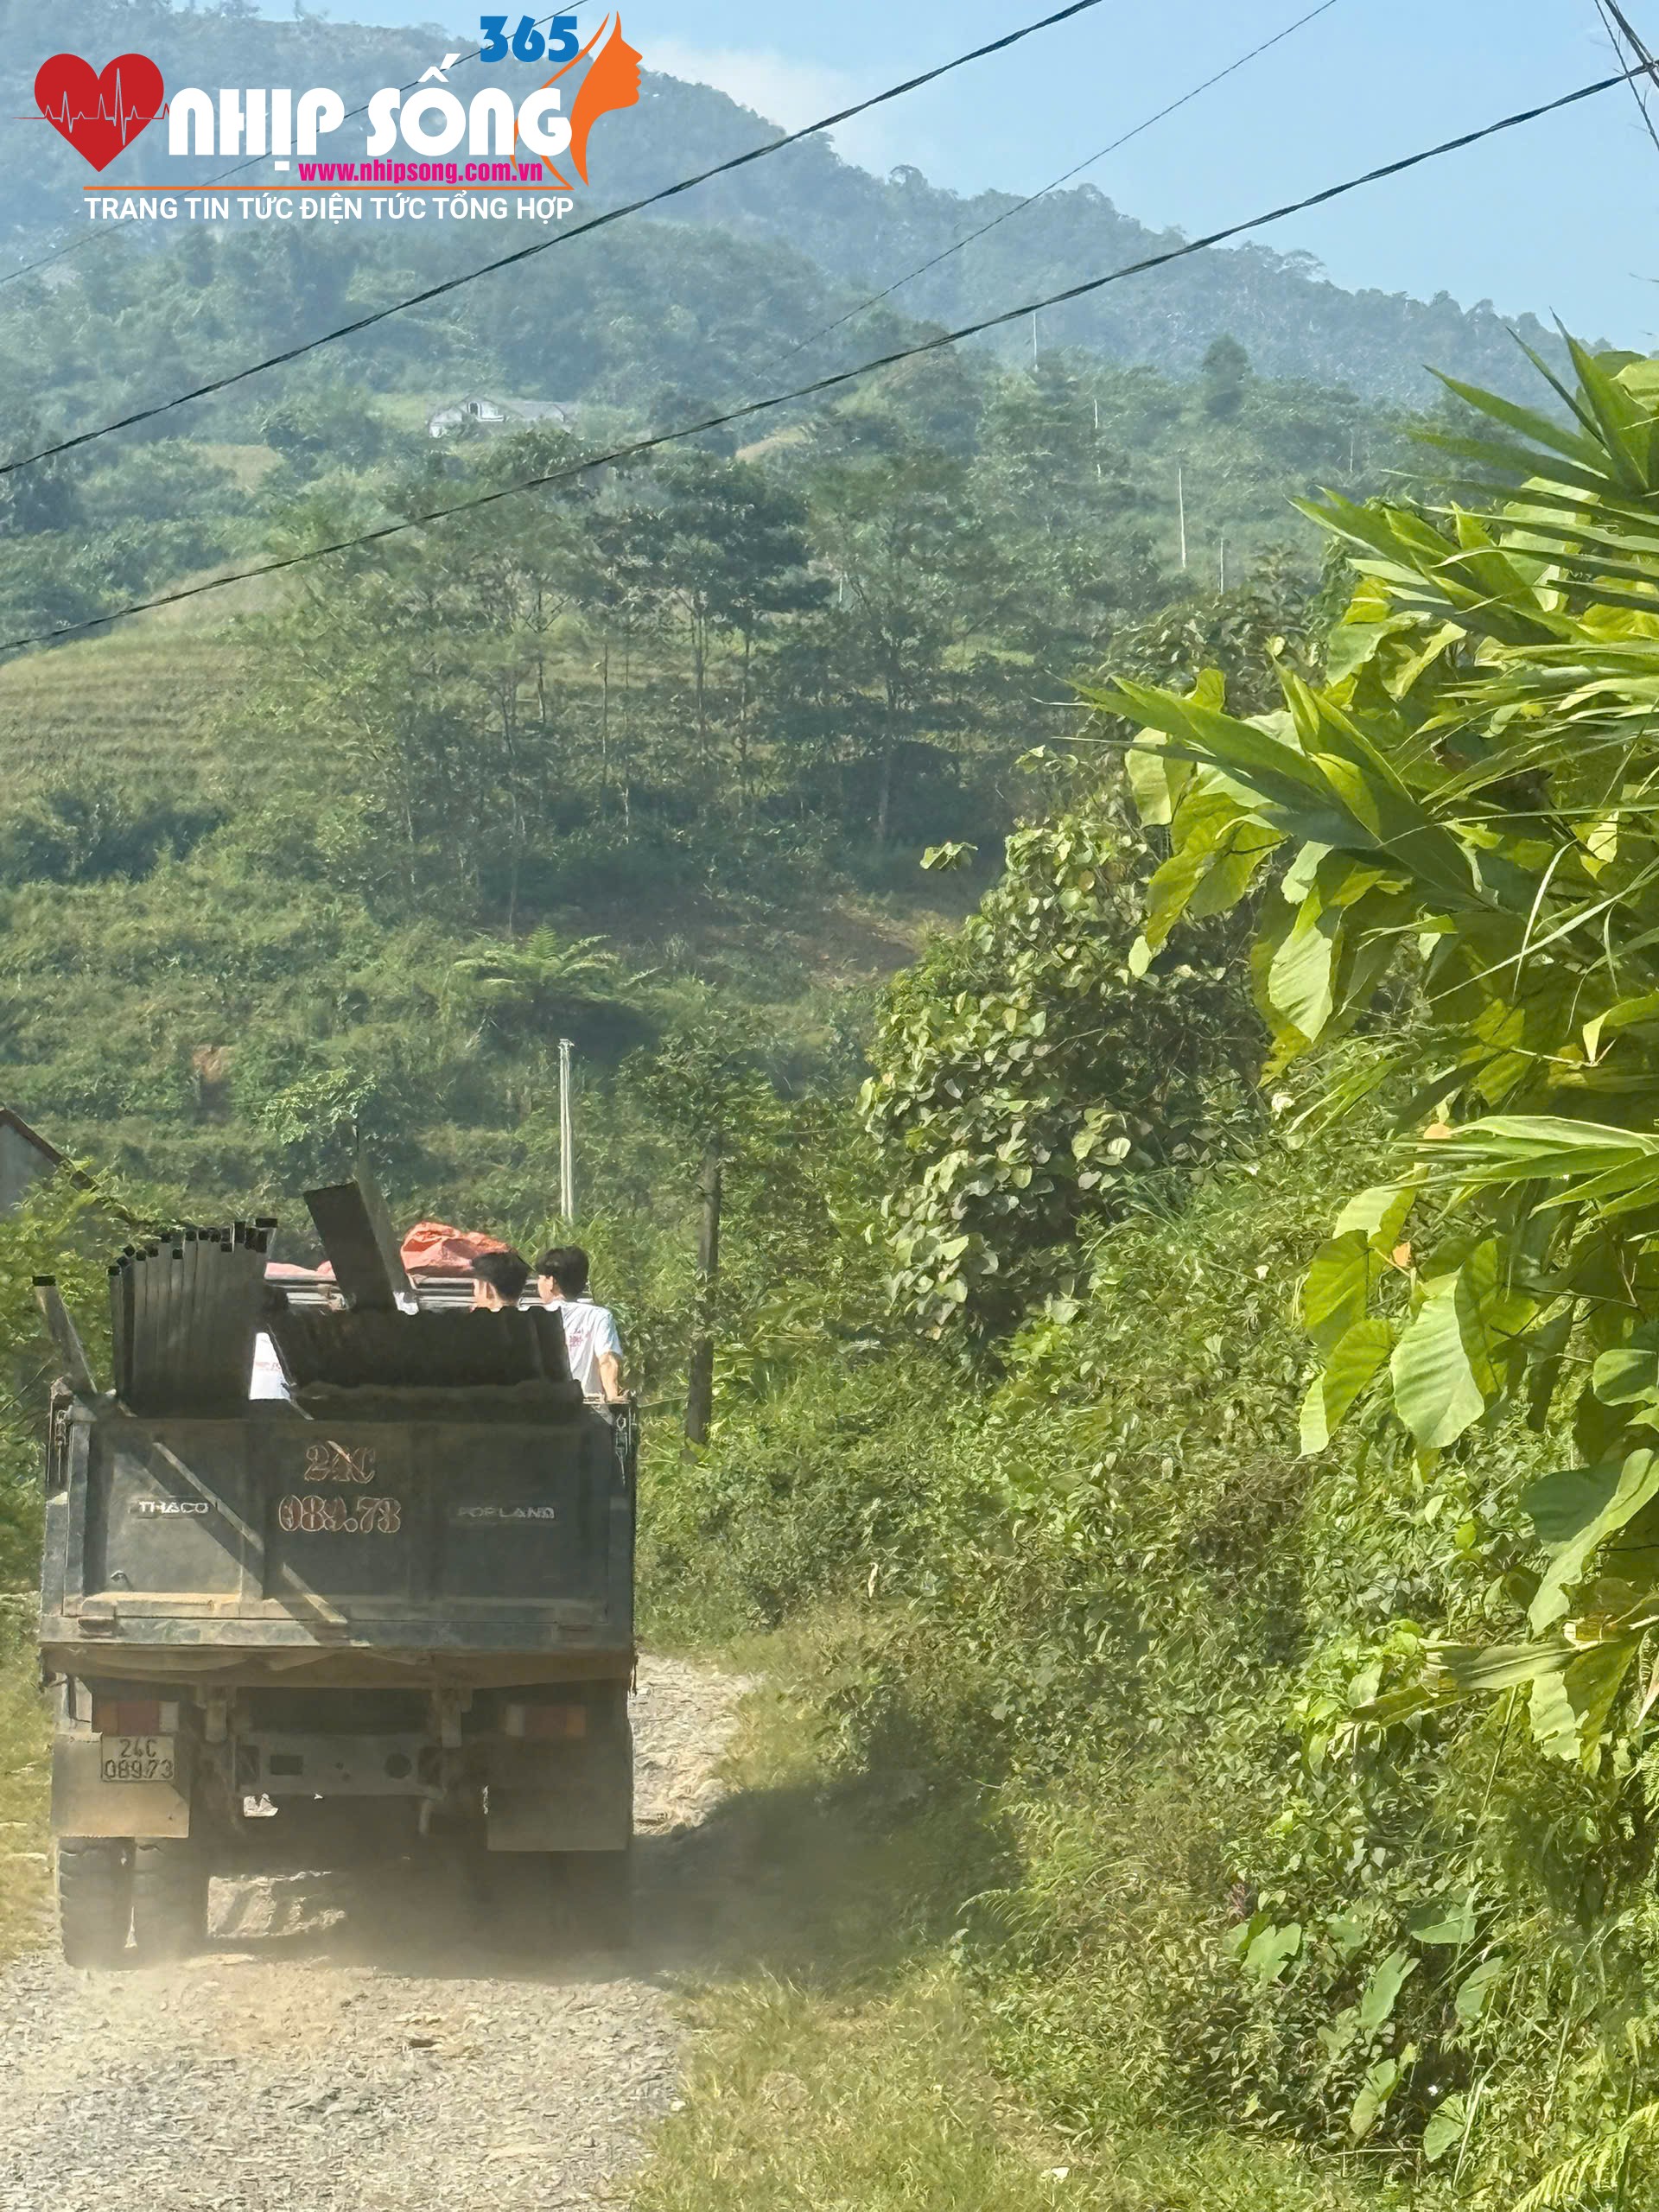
1569	1710
1271	1951
1300	974
1447	2127
1629	1374
1351	1365
1435	1391
1578	1510
1382	1991
1475	1991
1380	1214
1381	2080
1445	1920
1335	1289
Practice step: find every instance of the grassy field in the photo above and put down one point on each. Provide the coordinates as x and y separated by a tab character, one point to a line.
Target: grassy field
23	1774
132	709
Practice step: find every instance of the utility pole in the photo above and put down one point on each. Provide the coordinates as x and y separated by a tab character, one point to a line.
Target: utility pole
1180	508
1034	337
1096	437
567	1142
700	1381
1223	560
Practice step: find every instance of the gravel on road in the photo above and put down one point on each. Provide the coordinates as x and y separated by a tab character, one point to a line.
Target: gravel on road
344	2042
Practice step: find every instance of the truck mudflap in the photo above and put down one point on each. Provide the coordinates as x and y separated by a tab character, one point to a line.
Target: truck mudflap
574	1796
86	1804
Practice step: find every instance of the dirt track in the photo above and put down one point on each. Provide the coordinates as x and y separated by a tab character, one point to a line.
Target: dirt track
342	2044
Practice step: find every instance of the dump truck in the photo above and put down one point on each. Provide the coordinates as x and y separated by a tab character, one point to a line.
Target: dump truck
388	1610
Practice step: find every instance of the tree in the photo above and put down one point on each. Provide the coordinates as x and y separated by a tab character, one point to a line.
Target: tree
1467	807
1223	378
1025	1087
912	583
730	549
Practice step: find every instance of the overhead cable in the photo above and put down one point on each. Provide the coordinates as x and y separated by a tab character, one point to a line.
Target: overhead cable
545	246
657	439
1054	184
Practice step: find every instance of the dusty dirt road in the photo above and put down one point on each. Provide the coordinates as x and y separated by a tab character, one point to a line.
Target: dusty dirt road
342	2044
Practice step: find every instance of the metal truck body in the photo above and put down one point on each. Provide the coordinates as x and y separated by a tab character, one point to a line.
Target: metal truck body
375	1616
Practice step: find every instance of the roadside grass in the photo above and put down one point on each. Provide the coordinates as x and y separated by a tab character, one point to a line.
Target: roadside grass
25	1737
844	2062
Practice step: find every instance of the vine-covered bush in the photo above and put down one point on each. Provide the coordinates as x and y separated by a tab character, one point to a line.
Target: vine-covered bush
1027	1085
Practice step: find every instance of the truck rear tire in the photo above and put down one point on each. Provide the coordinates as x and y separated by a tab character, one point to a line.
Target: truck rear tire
169	1901
94	1901
596	1897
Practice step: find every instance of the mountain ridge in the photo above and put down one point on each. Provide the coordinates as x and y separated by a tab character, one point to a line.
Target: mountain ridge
863	231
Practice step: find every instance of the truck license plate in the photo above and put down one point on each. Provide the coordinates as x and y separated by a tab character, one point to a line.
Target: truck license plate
138	1759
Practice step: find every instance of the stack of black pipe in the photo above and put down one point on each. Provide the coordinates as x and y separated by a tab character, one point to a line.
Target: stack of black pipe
184	1312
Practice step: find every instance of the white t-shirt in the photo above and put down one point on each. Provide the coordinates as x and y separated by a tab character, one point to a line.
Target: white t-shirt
588	1331
267	1380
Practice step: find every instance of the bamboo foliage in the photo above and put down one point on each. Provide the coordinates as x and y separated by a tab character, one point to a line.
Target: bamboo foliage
1463	910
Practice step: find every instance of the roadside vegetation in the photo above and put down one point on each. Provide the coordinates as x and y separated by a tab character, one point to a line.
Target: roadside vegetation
24	1766
1312	1784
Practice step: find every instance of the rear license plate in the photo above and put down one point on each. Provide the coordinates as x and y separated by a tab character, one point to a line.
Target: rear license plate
138	1759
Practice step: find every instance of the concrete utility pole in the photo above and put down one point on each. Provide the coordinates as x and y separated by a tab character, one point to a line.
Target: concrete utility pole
1180	508
700	1381
567	1142
1223	560
1034	337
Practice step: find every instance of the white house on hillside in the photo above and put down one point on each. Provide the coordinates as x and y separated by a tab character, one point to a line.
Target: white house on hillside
497	414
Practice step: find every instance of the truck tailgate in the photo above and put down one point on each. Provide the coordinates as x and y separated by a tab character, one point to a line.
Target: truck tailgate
274	1530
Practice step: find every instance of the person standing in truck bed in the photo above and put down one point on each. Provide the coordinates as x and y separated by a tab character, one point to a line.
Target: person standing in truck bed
498	1280
590	1332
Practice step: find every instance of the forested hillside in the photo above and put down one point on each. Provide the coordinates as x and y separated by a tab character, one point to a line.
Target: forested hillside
821	234
709	711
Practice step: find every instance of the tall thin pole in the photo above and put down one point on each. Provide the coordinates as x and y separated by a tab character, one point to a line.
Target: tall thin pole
1223	560
1097	471
1180	507
700	1381
1034	337
567	1142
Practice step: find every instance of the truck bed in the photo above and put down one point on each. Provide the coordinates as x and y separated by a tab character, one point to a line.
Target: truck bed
342	1551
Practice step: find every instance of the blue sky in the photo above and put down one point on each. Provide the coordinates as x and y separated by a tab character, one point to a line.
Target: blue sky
1557	217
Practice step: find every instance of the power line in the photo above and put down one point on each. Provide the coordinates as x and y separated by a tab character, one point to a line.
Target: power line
1611	13
1065	177
657	439
70	243
560	238
87	237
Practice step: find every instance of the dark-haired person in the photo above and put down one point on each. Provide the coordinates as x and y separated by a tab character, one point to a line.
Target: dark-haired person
590	1334
498	1280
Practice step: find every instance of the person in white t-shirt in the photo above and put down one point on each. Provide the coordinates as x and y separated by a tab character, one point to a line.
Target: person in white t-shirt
590	1334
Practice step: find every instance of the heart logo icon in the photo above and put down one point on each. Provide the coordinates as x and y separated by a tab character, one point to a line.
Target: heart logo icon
98	115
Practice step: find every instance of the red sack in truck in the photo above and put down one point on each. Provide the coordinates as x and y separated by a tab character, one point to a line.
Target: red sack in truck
433	1248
